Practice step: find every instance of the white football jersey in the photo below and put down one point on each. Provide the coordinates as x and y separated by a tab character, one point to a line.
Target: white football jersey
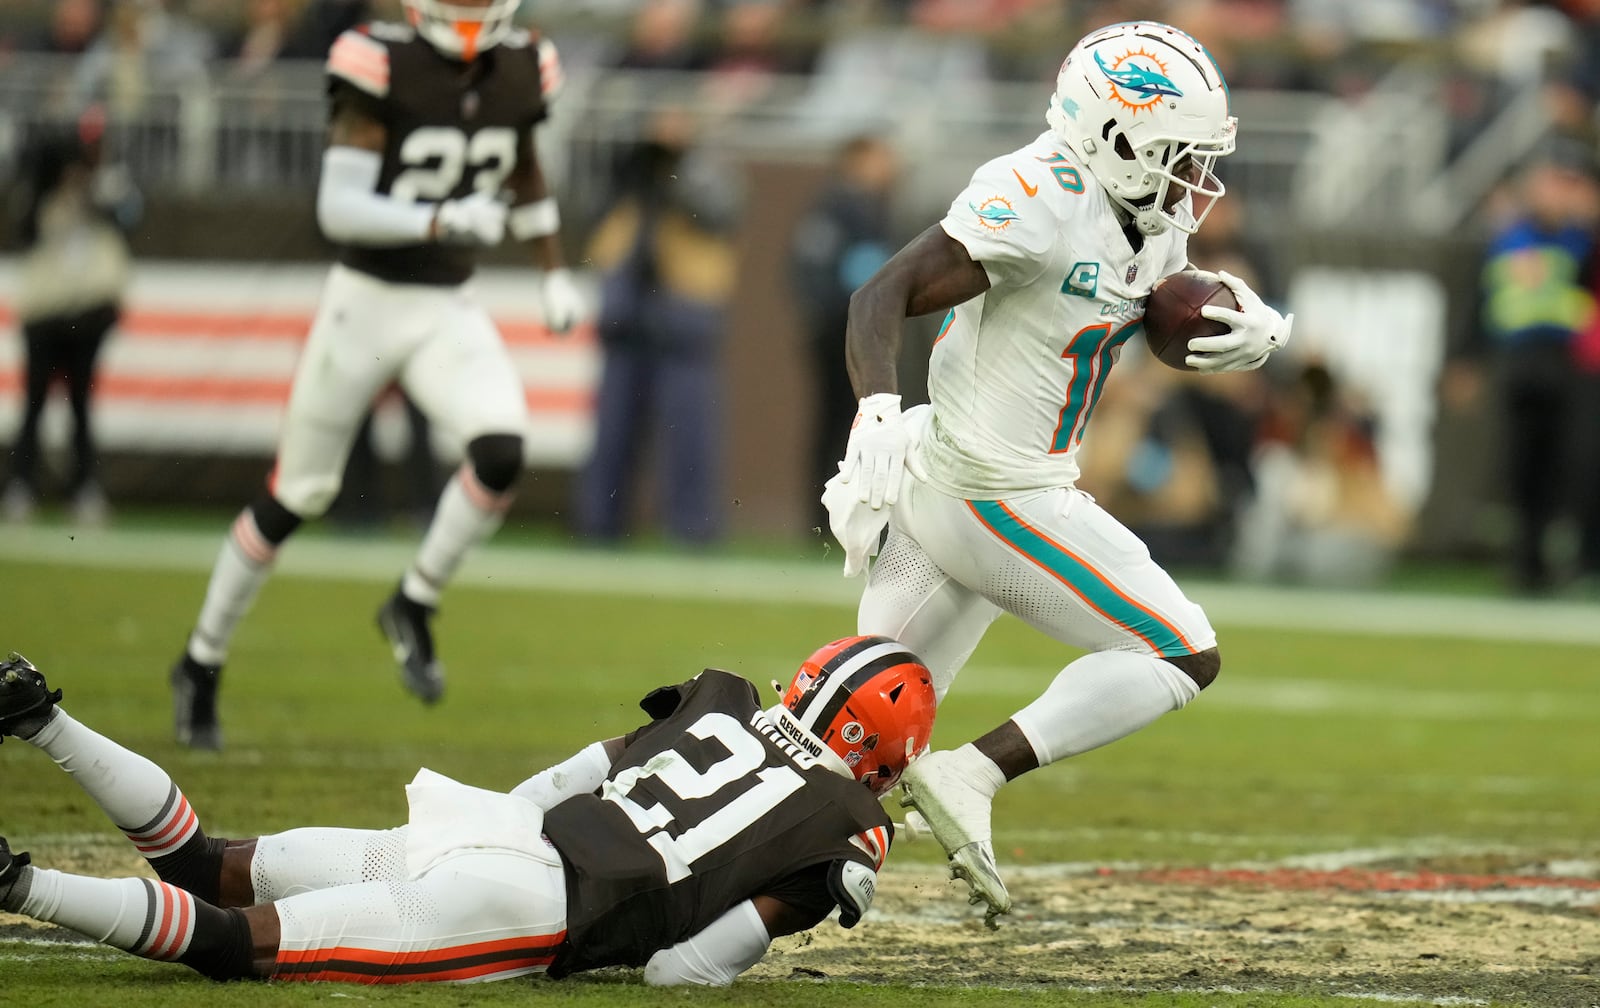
1016	372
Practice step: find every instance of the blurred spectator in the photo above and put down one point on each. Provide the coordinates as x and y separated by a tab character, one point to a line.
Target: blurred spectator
1321	513
669	269
322	21
1587	492
1535	302
74	269
871	75
73	25
840	242
267	149
662	37
145	49
264	38
751	53
1172	457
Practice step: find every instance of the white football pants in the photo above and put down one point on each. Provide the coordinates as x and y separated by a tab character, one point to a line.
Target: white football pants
437	342
1053	558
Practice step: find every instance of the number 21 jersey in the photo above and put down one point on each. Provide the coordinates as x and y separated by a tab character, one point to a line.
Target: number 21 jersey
708	806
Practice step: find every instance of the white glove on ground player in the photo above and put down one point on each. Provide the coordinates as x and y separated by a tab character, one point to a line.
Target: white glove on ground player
559	300
857	527
1256	330
478	219
875	456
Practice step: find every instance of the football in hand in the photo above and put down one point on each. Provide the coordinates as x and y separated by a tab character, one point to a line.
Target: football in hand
1172	314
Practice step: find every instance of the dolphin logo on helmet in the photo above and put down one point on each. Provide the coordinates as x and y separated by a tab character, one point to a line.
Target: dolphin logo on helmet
1135	78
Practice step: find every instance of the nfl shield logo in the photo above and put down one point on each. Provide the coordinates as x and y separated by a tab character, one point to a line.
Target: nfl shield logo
1133	274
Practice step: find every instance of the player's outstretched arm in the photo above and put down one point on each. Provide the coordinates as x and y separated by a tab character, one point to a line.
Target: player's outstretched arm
535	220
580	773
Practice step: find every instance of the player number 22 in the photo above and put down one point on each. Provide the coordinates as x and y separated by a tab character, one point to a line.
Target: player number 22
437	157
745	754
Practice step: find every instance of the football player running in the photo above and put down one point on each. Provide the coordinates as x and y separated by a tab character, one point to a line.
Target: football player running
683	847
430	158
1043	263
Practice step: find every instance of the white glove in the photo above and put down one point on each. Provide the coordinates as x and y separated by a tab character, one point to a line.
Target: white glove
559	300
875	456
857	527
1256	330
478	219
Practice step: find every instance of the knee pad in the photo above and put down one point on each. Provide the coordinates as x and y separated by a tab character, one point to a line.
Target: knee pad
275	522
496	460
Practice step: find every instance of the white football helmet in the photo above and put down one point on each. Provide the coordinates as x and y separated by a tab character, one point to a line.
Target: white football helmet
462	30
1144	107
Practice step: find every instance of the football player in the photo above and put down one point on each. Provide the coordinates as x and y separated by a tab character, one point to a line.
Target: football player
430	158
683	847
1043	264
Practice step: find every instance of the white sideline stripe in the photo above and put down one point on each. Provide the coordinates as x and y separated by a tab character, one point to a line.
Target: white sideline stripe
735	580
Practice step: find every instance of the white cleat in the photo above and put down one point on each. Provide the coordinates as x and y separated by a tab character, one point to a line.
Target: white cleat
957	814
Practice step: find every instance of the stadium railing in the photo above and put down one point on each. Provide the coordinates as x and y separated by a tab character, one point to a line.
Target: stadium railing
1303	157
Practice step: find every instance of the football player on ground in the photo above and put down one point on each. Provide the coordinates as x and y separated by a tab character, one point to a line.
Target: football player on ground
431	136
1043	263
683	847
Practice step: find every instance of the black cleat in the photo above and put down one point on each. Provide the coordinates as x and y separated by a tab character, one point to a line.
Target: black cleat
405	625
194	703
11	865
26	700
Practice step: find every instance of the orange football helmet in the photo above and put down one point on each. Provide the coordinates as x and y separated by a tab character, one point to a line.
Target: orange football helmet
868	699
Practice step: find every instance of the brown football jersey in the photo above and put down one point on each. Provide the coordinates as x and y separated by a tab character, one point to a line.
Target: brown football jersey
709	805
452	128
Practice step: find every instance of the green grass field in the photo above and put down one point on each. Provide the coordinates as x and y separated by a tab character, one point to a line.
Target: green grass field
1313	742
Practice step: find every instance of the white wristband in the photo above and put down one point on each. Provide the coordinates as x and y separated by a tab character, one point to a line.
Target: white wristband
534	220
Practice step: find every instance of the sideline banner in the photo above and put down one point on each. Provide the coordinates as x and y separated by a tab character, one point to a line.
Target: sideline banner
204	355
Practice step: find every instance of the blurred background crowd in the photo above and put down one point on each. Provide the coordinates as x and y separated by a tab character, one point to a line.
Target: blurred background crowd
1415	179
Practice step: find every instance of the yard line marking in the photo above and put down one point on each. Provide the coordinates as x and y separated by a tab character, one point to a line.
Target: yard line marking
804	580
